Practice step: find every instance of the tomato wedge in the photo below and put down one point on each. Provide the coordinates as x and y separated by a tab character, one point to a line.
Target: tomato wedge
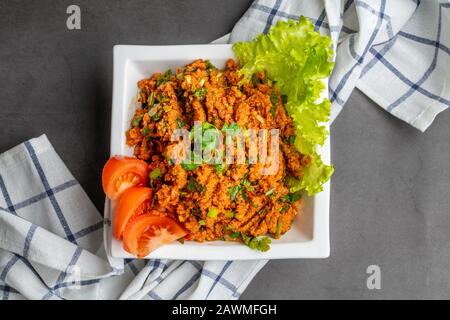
131	204
148	232
121	173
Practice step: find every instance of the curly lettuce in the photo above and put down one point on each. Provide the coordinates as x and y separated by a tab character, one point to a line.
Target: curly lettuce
297	58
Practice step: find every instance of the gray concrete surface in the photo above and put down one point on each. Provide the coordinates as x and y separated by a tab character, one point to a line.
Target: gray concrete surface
390	195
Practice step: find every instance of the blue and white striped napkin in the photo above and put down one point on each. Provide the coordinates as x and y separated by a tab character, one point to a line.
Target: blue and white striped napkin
51	244
396	52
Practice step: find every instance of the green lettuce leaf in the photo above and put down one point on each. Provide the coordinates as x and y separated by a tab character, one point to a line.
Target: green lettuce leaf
297	58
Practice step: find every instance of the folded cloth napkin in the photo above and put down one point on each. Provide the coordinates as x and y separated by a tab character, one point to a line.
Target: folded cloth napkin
396	52
51	243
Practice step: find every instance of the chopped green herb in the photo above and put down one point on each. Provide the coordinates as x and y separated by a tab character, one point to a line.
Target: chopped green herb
189	166
137	120
156	116
263	210
274	100
235	235
209	65
196	212
256	243
181	240
247	185
164	77
229	214
291	139
152	99
145	131
180	76
213	212
234	191
279	227
292	197
155	112
221	167
285	208
202	222
180	123
194	185
162	98
155	173
270	192
200	93
233	129
210	141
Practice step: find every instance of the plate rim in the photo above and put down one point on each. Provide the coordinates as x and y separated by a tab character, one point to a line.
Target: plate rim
317	247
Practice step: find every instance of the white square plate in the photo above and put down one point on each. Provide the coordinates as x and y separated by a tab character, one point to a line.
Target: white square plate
309	235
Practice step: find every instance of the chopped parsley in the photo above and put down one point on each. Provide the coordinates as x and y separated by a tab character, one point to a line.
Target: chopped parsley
221	167
189	166
209	65
137	120
291	139
234	191
156	173
200	94
235	235
145	131
213	212
229	214
274	100
164	77
151	99
247	185
194	185
232	129
292	197
155	112
256	243
263	211
279	227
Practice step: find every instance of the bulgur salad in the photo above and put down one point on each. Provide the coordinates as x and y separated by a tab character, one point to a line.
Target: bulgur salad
171	190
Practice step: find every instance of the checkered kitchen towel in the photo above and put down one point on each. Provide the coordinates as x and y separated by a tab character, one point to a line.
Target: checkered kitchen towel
51	243
395	51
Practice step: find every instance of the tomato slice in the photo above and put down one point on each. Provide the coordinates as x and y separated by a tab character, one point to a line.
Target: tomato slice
121	173
148	232
132	203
